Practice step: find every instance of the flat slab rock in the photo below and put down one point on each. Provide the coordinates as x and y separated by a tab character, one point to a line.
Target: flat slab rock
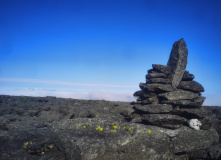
190	103
191	86
178	95
141	94
164	120
155	87
84	139
158	80
191	113
161	68
154	108
144	101
156	75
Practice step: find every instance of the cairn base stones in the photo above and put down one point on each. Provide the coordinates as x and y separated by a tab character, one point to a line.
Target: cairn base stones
170	98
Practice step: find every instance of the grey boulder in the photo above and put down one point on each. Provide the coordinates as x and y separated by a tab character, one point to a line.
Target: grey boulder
156	75
187	76
154	108
178	95
156	87
159	80
192	103
161	68
191	86
164	120
84	139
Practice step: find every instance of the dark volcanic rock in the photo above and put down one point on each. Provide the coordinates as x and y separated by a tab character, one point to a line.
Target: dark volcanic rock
156	75
154	100
143	94
103	133
196	102
145	101
210	153
191	113
151	100
28	144
178	61
154	108
159	80
201	114
138	93
216	118
156	87
126	141
164	120
206	122
161	68
187	76
191	86
178	95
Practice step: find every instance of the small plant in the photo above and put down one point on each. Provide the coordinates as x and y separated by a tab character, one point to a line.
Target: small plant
25	145
113	131
99	128
149	131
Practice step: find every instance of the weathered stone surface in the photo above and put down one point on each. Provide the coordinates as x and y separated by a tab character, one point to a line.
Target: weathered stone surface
191	86
156	75
210	153
121	110
178	95
138	93
125	141
154	108
178	61
196	102
187	76
164	120
159	80
28	144
156	87
151	100
97	136
206	122
151	71
202	114
216	118
161	68
154	100
191	113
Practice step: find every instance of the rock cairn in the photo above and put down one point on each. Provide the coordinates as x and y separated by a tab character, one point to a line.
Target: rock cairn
170	97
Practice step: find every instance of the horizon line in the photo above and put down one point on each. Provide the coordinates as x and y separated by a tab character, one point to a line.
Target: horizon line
20	80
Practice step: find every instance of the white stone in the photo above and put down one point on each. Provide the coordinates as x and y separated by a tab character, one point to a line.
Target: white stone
195	124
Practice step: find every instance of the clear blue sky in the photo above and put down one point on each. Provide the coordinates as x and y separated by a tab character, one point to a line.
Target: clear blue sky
105	42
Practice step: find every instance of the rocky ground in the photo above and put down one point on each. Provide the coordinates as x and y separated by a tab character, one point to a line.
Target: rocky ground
53	128
216	118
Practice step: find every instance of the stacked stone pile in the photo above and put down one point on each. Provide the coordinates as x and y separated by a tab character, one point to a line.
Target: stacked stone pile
170	97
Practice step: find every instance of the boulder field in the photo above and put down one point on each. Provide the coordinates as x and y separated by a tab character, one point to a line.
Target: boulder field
53	128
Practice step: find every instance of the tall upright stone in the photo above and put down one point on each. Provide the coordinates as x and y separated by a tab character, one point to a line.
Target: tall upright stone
178	61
